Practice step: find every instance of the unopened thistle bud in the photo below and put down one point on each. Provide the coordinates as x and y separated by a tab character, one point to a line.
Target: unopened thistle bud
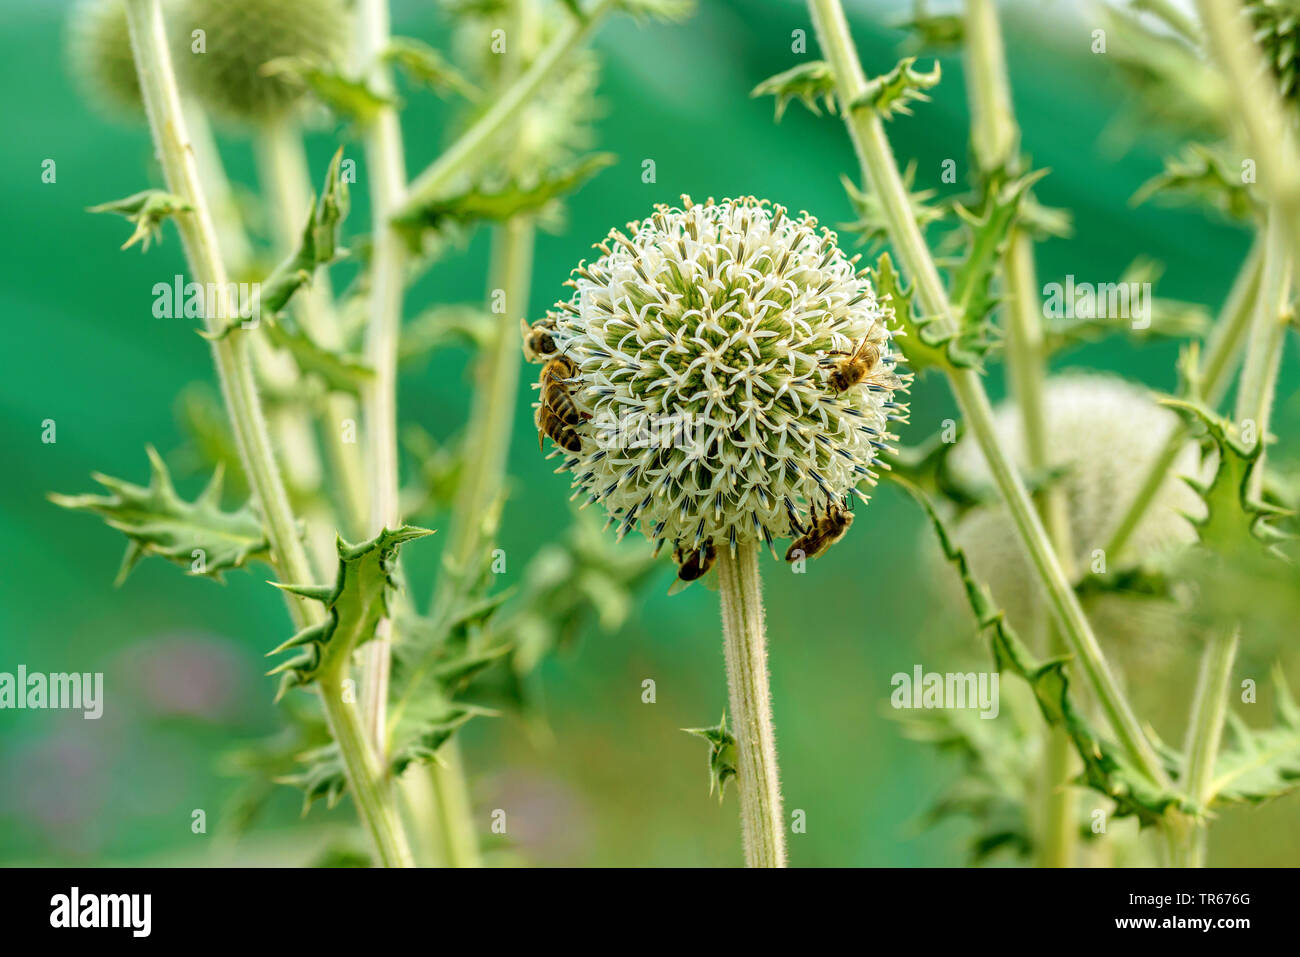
99	49
707	358
223	45
1103	434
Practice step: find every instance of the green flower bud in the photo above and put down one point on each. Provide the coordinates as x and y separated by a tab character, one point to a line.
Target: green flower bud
99	50
222	64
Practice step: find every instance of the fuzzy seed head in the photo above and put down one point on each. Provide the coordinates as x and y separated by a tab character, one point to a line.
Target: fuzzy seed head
1103	433
703	344
240	37
99	49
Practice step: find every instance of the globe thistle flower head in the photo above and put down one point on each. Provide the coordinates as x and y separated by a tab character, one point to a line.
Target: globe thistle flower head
1103	433
700	347
239	38
99	51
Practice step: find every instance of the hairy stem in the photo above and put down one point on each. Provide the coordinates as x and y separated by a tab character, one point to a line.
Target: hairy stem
470	145
287	180
456	835
745	646
231	353
1259	370
996	138
1257	104
1204	734
234	370
493	412
386	165
1213	378
370	787
881	170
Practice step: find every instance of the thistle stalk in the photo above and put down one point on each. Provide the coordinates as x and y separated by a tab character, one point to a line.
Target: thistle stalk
1257	104
878	165
1212	379
235	373
996	137
386	164
468	147
1259	370
745	646
1204	734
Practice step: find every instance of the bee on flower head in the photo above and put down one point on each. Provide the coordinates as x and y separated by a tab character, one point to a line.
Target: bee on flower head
539	339
824	531
557	414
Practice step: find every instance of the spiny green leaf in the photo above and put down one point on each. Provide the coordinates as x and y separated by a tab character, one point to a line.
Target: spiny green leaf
357	601
998	759
345	96
1200	175
933	31
1260	764
147	210
722	754
339	371
1236	521
425	64
497	204
808	82
1106	768
987	223
196	535
926	466
424	730
872	225
894	92
924	342
317	246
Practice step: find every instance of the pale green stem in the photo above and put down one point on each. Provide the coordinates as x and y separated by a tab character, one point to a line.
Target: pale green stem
491	424
744	639
287	182
1204	734
234	370
232	240
467	149
1254	404
386	165
1212	380
368	783
996	138
493	413
456	834
881	170
1259	370
1257	103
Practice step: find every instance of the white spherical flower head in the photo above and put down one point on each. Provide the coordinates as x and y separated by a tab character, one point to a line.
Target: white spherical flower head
730	370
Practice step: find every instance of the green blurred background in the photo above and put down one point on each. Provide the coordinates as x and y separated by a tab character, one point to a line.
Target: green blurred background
620	784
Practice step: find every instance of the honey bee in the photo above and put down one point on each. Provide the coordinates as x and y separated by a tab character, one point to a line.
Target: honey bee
824	532
557	415
696	564
854	366
539	341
